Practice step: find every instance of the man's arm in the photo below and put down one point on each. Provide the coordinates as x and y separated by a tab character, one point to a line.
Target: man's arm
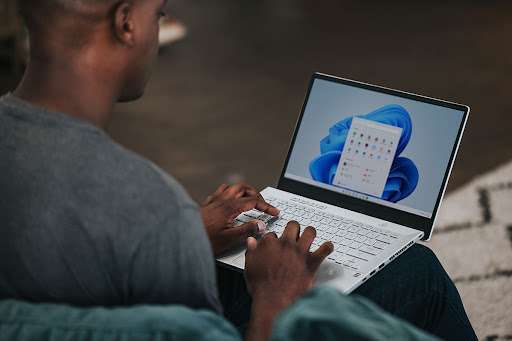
166	254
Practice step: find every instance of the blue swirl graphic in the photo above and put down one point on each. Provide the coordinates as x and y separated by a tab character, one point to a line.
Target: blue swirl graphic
403	177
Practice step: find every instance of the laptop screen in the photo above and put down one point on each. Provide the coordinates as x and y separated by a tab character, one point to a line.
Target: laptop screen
375	146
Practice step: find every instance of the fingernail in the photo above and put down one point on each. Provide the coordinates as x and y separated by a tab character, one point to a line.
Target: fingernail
261	226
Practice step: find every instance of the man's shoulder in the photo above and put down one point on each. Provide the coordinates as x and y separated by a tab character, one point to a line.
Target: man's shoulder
81	161
143	174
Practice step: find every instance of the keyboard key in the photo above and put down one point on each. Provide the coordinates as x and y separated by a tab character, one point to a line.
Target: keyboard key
345	241
368	249
280	222
286	216
380	245
334	222
363	231
357	255
360	238
371	235
331	229
350	236
363	255
316	218
325	221
384	239
244	218
341	233
375	250
369	242
355	245
305	222
341	225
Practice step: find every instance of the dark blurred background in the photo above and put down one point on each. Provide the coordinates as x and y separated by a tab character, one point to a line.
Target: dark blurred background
222	103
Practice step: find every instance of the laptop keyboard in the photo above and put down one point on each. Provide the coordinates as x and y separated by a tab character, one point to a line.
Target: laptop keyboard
355	243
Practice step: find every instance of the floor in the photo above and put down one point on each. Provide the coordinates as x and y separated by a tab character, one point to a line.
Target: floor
223	103
472	218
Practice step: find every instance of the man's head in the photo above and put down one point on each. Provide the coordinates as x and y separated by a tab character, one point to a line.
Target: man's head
116	39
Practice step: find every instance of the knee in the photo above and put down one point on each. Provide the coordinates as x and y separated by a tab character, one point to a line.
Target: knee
422	253
426	265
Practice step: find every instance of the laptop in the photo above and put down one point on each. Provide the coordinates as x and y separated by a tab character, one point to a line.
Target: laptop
367	167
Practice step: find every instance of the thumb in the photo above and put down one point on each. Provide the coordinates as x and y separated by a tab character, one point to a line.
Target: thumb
244	231
252	243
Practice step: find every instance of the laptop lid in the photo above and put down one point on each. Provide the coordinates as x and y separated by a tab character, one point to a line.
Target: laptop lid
374	150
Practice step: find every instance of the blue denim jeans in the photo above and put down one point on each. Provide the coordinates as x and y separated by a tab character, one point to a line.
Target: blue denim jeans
414	287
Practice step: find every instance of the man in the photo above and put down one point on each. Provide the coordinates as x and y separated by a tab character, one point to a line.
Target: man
87	222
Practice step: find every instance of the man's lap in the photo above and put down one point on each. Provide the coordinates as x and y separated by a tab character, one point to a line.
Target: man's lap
414	287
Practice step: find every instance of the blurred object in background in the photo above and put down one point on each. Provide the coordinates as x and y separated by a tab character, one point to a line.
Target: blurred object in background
13	41
171	31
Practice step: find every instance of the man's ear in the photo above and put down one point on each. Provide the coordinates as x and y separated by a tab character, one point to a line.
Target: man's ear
124	23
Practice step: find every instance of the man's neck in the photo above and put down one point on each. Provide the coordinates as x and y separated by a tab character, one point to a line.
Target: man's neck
76	89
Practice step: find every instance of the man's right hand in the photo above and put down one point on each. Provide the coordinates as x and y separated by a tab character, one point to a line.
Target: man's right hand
278	271
283	266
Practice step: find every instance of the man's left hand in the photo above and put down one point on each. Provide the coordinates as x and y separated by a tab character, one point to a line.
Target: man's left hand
221	208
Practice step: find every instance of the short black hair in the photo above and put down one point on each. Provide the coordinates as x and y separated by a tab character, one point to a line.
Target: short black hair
43	18
37	11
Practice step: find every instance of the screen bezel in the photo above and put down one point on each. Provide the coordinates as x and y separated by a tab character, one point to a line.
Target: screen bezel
362	206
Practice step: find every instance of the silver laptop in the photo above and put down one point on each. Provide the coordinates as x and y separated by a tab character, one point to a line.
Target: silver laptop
367	167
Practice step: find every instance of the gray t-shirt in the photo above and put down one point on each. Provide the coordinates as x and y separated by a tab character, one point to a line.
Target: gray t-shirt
87	222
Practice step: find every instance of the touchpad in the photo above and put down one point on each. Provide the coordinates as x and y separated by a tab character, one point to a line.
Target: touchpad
328	271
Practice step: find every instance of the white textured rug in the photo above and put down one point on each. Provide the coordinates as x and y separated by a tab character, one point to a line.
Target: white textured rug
473	240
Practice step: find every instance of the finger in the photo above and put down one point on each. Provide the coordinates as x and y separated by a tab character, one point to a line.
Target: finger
237	190
317	257
234	207
246	204
237	235
208	200
251	191
269	236
222	188
265	207
291	231
306	239
219	190
244	190
252	243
